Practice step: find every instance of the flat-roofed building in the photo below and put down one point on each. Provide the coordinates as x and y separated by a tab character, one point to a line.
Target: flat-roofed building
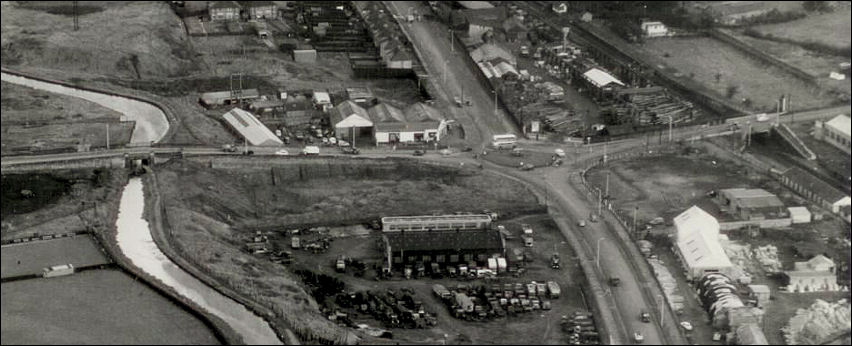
836	132
751	204
435	222
442	247
220	98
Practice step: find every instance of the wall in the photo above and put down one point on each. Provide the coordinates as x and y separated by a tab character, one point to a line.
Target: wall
769	223
100	162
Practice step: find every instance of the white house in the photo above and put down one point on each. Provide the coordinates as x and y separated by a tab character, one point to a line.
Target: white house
816	274
836	132
654	29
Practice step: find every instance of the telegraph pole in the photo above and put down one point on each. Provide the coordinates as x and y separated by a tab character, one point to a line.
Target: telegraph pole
76	19
107	134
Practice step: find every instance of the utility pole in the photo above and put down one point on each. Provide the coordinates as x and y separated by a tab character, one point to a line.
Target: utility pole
107	134
607	185
76	19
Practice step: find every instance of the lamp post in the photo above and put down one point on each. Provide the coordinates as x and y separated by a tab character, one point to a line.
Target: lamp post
598	255
670	126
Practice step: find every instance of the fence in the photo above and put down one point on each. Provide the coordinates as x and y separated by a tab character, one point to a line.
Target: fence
763	57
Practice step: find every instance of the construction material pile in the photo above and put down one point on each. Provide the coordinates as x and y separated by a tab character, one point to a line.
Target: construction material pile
668	283
740	256
767	256
819	323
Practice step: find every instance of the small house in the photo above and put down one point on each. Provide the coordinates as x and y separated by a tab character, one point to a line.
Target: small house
322	100
814	275
224	10
262	9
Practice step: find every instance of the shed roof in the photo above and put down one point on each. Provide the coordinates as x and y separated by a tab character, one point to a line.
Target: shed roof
799	212
695	220
702	250
753	198
759	288
247	125
322	97
384	113
814	184
600	78
840	123
350	114
475	4
490	51
444	240
223	4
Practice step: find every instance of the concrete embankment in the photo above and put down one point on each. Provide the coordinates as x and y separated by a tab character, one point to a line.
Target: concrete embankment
151	122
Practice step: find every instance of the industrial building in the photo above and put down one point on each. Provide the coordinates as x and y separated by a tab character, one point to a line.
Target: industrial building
654	29
442	247
602	83
816	190
836	132
221	98
697	244
262	9
814	275
435	222
419	123
224	10
751	204
247	126
351	121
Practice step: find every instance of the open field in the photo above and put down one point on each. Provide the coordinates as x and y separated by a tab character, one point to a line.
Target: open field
62	202
64	137
131	40
212	211
95	307
703	57
31	258
540	327
832	29
814	63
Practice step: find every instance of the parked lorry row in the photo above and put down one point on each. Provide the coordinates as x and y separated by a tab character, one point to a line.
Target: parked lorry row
497	300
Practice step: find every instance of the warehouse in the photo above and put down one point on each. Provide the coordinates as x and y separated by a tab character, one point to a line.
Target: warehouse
435	222
442	247
220	98
698	245
247	126
351	121
836	132
418	123
814	275
815	189
751	204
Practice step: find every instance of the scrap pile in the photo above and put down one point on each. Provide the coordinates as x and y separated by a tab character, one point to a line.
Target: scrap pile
741	257
819	323
481	302
767	256
667	281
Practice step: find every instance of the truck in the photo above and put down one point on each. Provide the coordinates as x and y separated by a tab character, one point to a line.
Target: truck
553	290
229	148
441	291
295	243
340	265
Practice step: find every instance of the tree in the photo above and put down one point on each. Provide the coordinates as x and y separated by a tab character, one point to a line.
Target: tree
731	91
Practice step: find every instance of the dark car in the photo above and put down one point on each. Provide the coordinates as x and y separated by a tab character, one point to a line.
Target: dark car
350	150
419	153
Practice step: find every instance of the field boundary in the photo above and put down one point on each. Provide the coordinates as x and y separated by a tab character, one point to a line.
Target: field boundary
762	56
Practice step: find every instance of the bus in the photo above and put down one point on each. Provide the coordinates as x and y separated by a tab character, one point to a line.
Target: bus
504	141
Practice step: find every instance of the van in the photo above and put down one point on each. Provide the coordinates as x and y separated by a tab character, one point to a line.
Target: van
504	141
311	150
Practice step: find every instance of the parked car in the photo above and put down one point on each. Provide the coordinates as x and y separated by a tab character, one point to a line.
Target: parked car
311	150
282	152
638	337
419	153
342	143
614	281
527	167
350	150
686	326
645	316
559	152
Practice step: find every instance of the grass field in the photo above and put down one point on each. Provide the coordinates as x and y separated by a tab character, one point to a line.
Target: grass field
814	63
94	307
704	57
833	29
22	105
31	258
131	40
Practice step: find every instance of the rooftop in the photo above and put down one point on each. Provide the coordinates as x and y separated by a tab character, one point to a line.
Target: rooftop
223	4
349	109
695	220
475	5
444	240
841	123
753	198
812	183
247	125
600	78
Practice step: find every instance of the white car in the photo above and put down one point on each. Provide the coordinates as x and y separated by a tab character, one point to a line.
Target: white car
342	143
311	150
559	152
582	223
686	326
332	140
282	152
638	337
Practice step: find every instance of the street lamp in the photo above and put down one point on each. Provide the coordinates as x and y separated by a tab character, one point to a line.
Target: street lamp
452	40
670	126
598	255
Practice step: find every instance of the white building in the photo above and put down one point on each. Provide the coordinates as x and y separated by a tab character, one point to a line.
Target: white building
654	29
799	214
351	121
697	244
322	100
836	132
418	123
814	275
246	125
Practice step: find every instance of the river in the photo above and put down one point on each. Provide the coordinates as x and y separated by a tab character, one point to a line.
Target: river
151	122
135	241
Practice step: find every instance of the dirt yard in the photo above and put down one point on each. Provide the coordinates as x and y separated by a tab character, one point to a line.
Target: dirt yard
95	307
541	327
833	29
703	58
61	203
213	212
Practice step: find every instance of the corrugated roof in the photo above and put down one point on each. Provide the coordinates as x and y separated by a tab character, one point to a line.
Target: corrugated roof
224	4
814	184
444	240
384	113
702	249
350	114
695	220
416	117
840	123
753	198
600	78
247	125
